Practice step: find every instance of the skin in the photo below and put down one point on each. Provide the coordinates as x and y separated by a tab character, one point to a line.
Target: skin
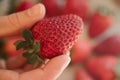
18	68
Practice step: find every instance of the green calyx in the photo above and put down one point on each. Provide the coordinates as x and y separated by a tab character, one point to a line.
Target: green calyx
31	48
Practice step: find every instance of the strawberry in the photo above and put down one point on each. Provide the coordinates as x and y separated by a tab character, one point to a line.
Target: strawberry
81	50
10	48
99	23
109	46
78	7
82	75
104	67
51	37
23	5
52	7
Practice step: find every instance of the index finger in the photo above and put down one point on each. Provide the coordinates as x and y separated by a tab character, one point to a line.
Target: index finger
17	21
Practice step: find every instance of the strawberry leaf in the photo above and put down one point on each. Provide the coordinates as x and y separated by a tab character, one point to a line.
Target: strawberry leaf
31	48
37	47
32	58
27	35
21	44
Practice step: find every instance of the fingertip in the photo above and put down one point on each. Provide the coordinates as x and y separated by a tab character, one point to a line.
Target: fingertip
37	11
42	11
66	58
56	66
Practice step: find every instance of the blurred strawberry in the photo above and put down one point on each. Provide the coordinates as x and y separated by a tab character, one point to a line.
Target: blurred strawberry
103	67
78	7
10	47
109	46
82	75
23	5
52	7
100	21
81	50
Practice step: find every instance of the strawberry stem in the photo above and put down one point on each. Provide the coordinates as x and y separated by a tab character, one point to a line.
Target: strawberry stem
31	48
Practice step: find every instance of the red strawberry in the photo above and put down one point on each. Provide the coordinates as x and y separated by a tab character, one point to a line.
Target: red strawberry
82	75
52	7
102	67
109	46
81	50
10	47
24	5
78	7
99	23
56	36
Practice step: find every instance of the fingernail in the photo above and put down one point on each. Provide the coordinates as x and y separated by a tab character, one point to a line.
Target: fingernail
38	9
68	53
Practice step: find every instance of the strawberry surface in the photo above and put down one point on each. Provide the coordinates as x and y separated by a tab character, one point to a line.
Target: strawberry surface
57	34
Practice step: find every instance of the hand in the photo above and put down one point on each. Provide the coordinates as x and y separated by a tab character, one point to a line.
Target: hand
20	70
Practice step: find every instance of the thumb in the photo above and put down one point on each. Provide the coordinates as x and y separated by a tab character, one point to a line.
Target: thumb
13	23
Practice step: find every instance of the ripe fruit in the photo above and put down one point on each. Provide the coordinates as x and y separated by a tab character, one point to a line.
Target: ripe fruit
78	7
109	46
24	5
82	75
56	36
52	8
81	50
102	67
10	48
99	23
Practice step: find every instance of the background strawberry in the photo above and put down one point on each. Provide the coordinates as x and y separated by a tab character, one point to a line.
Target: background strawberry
100	21
109	46
78	7
10	48
52	7
81	50
23	5
102	67
56	36
82	74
